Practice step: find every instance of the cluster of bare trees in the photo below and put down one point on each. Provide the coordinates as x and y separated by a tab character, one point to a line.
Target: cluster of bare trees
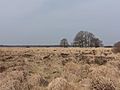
83	39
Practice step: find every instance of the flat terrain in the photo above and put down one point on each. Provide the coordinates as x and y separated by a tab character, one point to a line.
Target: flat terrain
59	69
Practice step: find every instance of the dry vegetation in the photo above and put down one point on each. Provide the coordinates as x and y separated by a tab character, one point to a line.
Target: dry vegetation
59	69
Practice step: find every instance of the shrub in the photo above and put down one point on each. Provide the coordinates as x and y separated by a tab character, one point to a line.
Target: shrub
116	48
2	69
100	60
60	84
102	84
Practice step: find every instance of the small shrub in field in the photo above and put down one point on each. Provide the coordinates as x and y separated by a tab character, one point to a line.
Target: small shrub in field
116	48
102	84
2	69
60	84
100	60
43	82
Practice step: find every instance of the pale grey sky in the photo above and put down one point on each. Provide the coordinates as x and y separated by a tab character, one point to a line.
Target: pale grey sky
48	21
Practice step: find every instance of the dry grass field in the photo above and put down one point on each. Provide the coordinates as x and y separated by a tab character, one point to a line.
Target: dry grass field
59	69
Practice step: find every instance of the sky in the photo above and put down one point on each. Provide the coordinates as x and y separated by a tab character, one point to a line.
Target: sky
48	21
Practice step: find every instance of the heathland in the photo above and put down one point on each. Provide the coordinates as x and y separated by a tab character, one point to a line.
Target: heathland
59	69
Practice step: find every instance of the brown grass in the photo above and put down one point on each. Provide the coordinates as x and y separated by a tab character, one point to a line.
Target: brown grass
59	69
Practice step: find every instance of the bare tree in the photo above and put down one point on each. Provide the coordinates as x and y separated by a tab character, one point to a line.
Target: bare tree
97	42
64	42
86	39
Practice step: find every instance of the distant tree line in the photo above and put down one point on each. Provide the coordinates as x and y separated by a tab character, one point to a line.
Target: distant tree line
83	39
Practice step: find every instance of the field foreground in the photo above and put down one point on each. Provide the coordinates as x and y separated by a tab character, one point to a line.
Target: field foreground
59	69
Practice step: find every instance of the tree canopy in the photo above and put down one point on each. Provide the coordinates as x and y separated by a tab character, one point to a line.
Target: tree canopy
86	39
64	42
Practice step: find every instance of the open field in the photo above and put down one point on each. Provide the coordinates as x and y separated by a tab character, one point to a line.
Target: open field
59	69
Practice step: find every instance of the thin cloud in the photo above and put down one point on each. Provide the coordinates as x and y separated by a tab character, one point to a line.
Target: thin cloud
46	21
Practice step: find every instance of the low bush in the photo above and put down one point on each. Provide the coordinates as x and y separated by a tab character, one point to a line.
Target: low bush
102	84
100	60
116	47
60	84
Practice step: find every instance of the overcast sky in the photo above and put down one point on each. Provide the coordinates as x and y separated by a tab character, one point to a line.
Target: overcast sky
48	21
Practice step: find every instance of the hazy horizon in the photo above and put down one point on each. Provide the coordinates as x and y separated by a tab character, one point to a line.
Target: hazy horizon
48	21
